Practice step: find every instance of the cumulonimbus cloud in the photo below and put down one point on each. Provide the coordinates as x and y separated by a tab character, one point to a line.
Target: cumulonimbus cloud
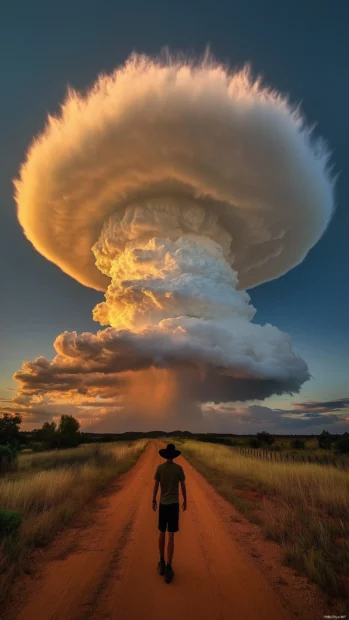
174	186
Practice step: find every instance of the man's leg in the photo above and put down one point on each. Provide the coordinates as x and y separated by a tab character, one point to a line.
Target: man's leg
162	545
170	548
162	530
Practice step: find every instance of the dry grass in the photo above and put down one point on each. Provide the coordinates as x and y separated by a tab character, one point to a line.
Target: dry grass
49	498
305	507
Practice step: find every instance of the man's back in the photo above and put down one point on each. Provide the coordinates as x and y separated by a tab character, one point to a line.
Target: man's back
169	474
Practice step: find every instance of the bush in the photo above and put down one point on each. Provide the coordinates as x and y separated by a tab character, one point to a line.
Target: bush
265	438
9	522
7	458
36	446
6	453
297	444
325	440
224	440
254	443
342	445
276	447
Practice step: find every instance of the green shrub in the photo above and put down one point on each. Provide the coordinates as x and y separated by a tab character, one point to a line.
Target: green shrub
9	522
7	458
6	453
265	438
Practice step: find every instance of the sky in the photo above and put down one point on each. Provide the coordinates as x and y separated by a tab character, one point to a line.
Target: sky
301	49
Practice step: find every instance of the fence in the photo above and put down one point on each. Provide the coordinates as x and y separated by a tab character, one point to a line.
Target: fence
286	457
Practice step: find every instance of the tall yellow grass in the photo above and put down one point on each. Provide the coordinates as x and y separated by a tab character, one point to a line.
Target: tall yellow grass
324	486
48	499
305	507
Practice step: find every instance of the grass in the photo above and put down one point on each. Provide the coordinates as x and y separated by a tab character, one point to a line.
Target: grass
53	459
303	507
48	490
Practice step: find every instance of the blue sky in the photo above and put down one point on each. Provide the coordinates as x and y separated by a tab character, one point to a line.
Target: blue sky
301	48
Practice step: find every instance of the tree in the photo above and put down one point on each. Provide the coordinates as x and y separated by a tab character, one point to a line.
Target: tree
325	440
68	431
265	438
9	430
48	434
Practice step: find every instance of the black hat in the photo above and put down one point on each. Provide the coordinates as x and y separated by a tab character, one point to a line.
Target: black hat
169	452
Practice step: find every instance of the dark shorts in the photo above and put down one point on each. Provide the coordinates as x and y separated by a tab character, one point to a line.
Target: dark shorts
168	517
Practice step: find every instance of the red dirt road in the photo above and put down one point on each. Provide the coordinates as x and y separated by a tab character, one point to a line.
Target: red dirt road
108	569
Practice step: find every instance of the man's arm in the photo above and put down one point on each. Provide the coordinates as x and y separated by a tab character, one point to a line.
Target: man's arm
155	492
184	493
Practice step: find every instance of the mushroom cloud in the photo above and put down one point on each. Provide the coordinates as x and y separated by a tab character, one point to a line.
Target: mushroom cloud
174	186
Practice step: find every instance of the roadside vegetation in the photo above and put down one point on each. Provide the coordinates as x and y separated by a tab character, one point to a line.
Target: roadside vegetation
303	507
45	490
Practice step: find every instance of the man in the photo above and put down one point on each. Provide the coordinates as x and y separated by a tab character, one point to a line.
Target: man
168	475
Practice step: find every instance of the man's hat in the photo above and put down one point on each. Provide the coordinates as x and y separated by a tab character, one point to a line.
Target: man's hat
169	452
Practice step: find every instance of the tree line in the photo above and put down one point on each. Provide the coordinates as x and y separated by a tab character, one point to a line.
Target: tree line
49	436
326	441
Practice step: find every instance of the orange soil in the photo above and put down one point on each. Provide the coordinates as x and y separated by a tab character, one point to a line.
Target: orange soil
108	569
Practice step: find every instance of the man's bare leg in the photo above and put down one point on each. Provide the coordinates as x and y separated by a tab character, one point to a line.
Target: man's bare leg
162	545
170	548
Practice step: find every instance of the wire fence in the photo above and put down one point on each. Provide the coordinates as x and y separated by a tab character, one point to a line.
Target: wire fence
286	457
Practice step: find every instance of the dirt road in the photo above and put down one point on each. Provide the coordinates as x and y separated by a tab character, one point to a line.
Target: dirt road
108	569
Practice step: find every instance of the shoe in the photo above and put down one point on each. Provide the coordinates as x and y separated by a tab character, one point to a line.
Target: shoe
168	574
161	567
